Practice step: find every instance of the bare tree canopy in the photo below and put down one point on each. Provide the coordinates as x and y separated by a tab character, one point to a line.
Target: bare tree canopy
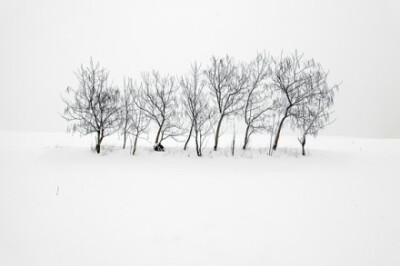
94	106
203	124
192	86
290	76
127	104
227	82
314	114
134	122
158	101
197	107
139	122
258	96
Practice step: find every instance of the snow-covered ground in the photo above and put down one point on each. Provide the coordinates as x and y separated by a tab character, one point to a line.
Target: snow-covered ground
61	204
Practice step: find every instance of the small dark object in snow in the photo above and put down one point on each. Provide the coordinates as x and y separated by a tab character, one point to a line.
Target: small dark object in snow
159	147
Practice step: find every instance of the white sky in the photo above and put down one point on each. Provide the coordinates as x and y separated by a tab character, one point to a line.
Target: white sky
43	42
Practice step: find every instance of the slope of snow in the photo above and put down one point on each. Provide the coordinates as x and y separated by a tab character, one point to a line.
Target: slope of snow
61	204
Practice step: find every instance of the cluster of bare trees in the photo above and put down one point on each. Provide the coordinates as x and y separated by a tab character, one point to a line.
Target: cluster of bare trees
265	94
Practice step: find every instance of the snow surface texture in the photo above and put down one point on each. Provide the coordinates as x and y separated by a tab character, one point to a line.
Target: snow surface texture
61	204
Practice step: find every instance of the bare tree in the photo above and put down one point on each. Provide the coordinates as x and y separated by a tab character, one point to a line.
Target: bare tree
94	106
204	124
139	122
158	101
197	107
126	109
133	120
192	87
258	96
289	76
314	114
227	82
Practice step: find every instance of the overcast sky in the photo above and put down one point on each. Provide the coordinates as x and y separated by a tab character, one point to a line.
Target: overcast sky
43	42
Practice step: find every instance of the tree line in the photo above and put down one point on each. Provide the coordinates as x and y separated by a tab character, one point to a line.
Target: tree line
266	93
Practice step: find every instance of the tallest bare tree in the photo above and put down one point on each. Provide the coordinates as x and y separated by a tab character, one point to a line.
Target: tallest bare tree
227	82
289	76
94	106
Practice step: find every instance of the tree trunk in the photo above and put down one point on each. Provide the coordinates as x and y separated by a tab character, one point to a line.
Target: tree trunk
303	143
98	148
246	137
278	133
159	133
135	144
198	146
187	141
233	145
125	123
217	133
124	145
99	139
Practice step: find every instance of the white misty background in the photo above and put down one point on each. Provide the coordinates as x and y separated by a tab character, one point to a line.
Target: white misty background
43	42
